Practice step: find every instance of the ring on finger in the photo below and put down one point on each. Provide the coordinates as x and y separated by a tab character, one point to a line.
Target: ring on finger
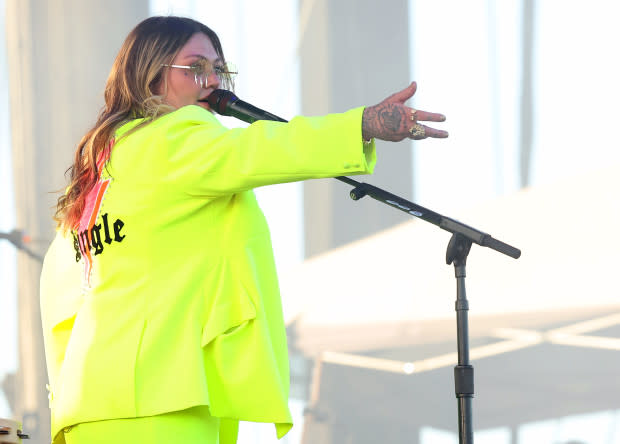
413	117
417	131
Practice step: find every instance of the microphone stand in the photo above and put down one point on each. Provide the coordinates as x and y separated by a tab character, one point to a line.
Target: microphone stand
458	248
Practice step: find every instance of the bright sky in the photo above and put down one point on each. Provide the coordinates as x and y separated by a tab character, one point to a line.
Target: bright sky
467	61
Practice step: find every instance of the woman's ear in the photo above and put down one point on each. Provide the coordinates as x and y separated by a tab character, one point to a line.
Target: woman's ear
156	85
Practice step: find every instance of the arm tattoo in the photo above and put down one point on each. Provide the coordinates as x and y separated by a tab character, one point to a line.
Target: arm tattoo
385	121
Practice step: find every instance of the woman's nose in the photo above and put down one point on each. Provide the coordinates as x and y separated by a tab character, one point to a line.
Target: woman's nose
213	81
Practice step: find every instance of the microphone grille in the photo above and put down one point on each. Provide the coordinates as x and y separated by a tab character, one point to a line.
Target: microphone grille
219	99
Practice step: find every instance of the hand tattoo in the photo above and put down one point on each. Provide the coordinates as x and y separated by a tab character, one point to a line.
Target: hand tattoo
386	121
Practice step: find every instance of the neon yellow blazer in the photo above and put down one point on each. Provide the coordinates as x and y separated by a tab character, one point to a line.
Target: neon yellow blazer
166	296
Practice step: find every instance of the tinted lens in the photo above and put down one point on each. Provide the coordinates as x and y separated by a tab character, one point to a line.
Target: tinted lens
202	67
226	73
228	69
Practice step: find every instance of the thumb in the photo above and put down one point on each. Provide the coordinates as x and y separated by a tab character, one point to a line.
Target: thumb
405	94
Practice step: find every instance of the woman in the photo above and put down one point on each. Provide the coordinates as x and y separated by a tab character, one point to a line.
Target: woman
161	312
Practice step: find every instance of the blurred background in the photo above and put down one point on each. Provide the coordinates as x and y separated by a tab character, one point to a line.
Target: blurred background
530	89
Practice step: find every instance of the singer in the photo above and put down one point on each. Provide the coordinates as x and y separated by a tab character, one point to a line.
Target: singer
159	297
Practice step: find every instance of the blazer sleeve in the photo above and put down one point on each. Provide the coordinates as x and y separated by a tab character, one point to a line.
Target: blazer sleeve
205	158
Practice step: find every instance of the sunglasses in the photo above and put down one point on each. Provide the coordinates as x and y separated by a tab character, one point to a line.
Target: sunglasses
203	68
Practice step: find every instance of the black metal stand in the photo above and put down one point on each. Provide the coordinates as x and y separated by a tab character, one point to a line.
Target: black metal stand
457	252
458	249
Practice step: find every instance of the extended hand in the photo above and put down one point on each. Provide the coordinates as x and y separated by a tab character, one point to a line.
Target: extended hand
392	120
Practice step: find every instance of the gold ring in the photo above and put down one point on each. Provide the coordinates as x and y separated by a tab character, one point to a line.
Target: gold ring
417	131
413	111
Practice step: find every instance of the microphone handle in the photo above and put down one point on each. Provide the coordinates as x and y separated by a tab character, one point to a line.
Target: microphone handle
249	113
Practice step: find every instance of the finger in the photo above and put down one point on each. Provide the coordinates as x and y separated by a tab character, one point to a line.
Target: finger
430	132
426	116
404	95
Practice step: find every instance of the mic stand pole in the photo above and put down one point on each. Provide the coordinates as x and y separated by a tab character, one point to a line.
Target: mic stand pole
458	249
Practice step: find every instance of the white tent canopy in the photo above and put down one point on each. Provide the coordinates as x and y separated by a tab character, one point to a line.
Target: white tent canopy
567	233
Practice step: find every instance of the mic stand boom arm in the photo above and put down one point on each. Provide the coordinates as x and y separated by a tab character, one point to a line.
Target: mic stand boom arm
362	189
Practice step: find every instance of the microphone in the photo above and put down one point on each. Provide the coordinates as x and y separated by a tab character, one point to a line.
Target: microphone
226	103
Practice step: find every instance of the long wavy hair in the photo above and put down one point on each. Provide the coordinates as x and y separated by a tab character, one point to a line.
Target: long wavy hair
130	93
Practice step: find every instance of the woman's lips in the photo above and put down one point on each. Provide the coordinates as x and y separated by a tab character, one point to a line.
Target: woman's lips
204	101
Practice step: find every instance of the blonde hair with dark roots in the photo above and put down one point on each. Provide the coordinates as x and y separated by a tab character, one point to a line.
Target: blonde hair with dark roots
130	93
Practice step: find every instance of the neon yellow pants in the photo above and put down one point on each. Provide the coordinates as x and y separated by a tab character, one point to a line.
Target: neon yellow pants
194	425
